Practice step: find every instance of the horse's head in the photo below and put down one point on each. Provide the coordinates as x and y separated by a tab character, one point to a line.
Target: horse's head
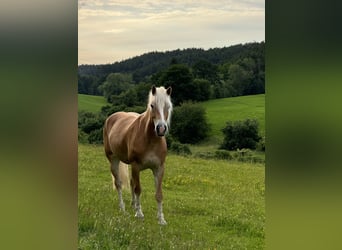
160	108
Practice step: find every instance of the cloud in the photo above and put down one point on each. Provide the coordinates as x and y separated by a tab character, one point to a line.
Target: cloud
114	30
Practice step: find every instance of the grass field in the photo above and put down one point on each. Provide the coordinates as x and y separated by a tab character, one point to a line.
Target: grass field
208	205
91	103
219	111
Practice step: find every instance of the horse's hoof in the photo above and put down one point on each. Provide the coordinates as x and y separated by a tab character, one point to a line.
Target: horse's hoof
122	207
139	215
162	222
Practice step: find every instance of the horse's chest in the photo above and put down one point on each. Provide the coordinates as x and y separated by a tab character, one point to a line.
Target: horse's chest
151	160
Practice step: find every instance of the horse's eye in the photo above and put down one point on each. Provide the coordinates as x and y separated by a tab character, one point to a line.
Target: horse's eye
152	106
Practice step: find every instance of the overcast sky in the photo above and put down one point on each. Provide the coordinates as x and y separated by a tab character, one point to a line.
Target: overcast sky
114	30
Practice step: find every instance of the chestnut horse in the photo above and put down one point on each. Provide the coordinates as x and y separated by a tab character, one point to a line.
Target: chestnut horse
139	140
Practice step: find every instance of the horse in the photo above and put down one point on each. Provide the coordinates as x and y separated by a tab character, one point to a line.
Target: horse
139	140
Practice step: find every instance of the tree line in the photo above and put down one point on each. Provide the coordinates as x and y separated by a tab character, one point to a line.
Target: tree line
194	74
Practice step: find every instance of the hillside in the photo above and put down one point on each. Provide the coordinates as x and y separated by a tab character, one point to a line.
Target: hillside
91	103
212	65
219	111
150	63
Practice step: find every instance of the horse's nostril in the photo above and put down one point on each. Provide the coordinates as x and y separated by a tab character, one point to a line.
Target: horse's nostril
161	129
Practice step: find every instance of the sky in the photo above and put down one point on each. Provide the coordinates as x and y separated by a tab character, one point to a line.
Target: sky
115	30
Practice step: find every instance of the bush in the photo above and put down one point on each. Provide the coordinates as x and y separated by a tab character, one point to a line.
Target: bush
217	155
169	141
180	149
246	155
222	155
88	121
90	127
110	109
261	144
241	134
82	136
189	123
136	109
243	154
96	136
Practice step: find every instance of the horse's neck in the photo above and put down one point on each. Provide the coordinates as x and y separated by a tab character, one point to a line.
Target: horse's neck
147	124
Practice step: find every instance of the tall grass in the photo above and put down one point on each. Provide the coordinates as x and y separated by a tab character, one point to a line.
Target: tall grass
208	205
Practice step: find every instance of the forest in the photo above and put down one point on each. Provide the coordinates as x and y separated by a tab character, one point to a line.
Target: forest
195	74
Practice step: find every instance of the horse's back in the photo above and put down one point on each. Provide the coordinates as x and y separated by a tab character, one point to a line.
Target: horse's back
114	132
120	119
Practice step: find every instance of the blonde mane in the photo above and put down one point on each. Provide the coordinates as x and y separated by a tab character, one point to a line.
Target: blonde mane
160	100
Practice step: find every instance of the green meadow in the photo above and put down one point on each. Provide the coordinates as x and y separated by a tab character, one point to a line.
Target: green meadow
208	204
91	103
219	111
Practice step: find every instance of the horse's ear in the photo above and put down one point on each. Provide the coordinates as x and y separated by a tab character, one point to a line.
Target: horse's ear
154	90
169	90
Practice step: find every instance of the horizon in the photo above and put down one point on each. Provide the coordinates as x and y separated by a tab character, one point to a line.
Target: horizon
165	51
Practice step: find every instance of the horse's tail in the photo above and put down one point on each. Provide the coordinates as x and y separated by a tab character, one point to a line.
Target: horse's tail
124	175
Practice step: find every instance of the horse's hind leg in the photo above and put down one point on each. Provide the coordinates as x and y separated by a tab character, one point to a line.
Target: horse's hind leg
136	191
114	167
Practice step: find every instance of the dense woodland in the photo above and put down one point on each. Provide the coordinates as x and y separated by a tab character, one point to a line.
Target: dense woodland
194	74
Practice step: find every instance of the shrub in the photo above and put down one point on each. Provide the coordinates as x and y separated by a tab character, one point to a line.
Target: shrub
243	154
88	121
261	144
240	134
246	155
169	141
110	109
189	123
136	109
82	136
223	155
90	127
217	155
180	149
96	136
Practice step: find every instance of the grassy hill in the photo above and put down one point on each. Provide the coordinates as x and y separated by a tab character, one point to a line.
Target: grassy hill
91	103
208	205
219	111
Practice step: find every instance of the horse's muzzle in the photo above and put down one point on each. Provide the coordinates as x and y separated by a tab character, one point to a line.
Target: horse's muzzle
161	129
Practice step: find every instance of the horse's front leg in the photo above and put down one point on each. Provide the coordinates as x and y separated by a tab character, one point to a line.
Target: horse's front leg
136	191
158	178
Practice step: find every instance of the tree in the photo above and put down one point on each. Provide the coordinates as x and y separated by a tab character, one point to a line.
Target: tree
203	89
128	98
206	70
115	84
241	134
179	77
240	78
189	123
87	84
